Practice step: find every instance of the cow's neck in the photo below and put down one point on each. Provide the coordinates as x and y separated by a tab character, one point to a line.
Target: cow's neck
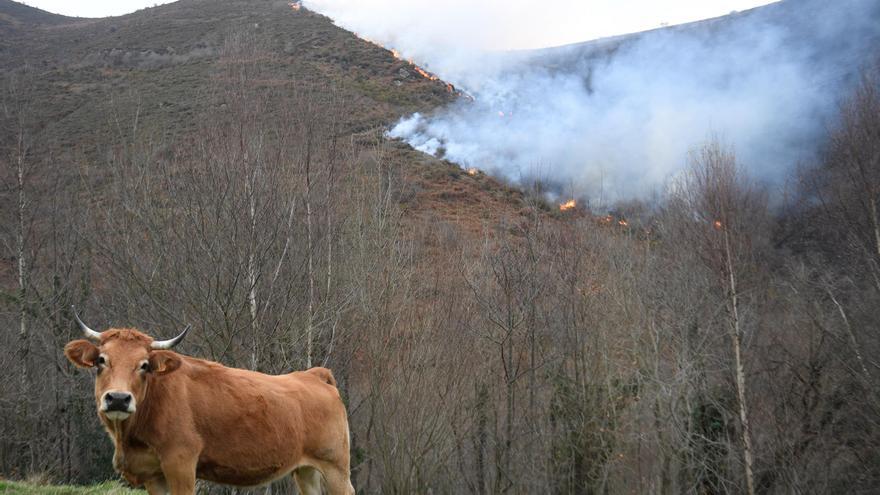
118	431
125	434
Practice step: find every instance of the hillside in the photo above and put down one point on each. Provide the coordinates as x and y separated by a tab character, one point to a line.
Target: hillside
16	16
811	25
162	62
617	117
166	56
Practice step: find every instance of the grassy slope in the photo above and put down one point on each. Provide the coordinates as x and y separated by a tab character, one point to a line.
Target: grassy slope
163	59
106	488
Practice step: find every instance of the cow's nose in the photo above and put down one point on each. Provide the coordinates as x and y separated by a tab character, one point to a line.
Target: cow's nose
117	401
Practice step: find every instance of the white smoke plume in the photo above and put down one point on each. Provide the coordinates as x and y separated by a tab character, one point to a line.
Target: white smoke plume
615	119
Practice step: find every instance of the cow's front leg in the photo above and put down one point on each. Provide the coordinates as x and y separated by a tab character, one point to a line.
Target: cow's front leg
156	486
180	473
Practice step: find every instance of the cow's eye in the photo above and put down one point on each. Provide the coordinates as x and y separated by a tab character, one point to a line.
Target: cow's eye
101	361
145	366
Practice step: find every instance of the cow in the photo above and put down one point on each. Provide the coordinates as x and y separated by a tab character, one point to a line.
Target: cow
174	418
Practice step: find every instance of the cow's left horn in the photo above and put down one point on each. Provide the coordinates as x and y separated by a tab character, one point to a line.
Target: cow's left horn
86	330
170	343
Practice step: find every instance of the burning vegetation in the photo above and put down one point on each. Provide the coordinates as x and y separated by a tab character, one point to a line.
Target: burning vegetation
397	55
568	205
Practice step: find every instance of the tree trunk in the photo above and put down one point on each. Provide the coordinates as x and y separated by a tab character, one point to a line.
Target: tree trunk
736	337
311	256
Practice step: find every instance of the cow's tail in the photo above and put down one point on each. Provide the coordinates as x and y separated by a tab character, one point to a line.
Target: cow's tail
324	374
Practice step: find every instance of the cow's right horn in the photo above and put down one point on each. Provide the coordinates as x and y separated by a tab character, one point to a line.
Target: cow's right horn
86	330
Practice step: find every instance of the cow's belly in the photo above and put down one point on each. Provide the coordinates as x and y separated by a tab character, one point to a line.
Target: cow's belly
239	475
249	448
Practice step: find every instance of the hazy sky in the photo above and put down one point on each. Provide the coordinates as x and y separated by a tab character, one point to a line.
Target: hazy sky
516	23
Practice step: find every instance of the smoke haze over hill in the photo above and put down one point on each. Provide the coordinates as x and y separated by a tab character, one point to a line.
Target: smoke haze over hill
616	118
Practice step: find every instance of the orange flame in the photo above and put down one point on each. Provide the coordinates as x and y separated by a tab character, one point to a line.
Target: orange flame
396	54
622	222
473	171
295	5
568	205
424	73
717	224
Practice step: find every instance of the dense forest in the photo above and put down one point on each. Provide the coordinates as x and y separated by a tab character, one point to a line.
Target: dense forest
721	338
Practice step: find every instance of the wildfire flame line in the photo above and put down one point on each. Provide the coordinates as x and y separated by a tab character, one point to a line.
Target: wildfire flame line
396	54
568	205
297	5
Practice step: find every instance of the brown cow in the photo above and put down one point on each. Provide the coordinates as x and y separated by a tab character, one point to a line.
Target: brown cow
175	418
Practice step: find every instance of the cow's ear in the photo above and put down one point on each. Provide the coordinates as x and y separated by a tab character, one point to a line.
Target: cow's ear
162	362
82	353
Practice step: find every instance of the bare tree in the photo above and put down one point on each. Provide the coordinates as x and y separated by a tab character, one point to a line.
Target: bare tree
725	216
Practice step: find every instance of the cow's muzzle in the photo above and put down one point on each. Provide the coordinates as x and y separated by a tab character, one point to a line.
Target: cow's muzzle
117	405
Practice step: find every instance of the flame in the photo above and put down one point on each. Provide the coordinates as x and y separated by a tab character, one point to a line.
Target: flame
622	222
297	5
567	205
717	224
473	171
425	74
606	220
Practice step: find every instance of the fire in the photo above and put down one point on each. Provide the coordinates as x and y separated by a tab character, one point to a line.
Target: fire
473	171
717	224
297	5
622	222
425	74
568	205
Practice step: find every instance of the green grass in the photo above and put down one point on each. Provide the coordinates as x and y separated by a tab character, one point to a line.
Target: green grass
106	488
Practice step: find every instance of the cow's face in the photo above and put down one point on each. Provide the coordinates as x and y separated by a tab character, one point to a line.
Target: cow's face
125	364
126	361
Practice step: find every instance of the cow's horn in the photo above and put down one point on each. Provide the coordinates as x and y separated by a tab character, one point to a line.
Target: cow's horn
170	343
86	330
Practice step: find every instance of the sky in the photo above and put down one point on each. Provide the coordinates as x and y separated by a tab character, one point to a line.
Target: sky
514	24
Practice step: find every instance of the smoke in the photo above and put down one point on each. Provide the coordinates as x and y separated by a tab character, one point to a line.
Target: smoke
614	119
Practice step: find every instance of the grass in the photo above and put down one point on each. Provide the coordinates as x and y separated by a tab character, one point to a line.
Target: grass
106	488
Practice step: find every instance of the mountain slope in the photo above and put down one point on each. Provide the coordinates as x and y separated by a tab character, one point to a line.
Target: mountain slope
616	118
165	55
87	79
